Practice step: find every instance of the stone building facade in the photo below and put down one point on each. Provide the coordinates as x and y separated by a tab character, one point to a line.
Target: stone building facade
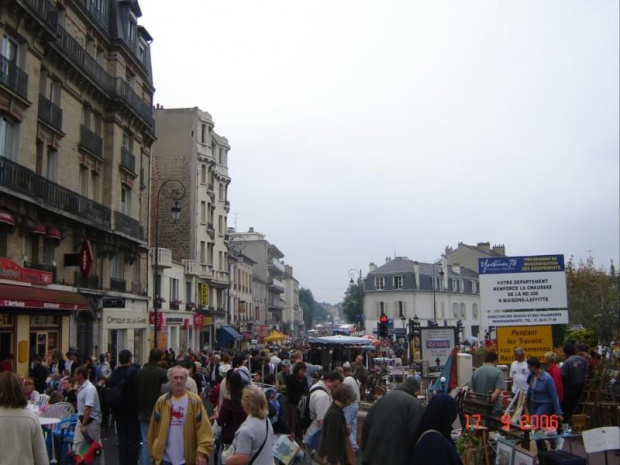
76	129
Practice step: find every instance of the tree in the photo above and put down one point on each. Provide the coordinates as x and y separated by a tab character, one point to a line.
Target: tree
593	298
313	311
352	306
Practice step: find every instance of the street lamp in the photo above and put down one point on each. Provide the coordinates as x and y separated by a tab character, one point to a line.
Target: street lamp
434	300
459	329
353	273
176	194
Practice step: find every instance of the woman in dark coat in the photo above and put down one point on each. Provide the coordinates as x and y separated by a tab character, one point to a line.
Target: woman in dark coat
433	443
334	434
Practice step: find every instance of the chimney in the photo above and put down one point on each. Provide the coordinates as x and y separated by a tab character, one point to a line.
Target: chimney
484	246
372	267
500	249
251	229
456	268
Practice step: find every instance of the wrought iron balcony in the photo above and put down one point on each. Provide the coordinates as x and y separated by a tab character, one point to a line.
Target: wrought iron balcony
128	225
91	141
128	161
42	267
50	113
20	179
92	282
94	8
124	92
119	285
44	12
13	77
78	55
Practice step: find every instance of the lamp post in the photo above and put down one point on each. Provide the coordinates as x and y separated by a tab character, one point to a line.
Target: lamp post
459	329
176	194
353	273
434	299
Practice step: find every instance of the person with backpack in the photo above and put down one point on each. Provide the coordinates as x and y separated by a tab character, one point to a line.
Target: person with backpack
296	387
123	403
351	410
319	399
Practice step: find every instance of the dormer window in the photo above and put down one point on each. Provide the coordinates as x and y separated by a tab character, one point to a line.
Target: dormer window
398	282
379	283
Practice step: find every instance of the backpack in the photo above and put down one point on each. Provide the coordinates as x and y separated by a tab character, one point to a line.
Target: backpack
303	408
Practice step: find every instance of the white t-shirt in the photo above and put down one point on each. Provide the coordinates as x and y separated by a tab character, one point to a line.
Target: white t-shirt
175	447
319	403
519	374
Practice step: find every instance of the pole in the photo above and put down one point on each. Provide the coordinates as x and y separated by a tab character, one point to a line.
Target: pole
434	300
156	283
362	300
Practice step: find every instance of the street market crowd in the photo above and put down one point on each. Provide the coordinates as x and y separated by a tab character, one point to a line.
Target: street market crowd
262	406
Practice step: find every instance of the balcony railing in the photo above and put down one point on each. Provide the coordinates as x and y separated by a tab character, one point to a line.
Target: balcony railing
128	225
94	9
50	113
91	141
164	257
276	284
92	282
276	266
128	160
42	267
78	55
26	182
129	97
192	267
13	77
119	285
45	12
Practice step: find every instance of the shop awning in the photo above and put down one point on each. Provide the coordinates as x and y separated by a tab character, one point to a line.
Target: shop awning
35	298
228	334
39	229
53	232
7	218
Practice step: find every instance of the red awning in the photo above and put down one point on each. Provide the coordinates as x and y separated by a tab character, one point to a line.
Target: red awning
39	229
34	297
53	232
247	335
6	217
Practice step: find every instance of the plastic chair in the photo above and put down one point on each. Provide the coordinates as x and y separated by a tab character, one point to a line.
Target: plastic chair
42	400
63	435
59	410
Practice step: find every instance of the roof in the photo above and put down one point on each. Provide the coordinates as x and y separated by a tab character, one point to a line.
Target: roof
404	265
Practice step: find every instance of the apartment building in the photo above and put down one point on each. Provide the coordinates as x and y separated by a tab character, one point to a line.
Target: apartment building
76	129
433	292
267	281
194	159
292	314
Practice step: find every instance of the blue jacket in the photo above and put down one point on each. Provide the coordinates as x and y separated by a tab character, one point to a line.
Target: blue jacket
542	391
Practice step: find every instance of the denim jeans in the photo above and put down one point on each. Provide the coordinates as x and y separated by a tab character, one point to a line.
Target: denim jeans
350	414
144	430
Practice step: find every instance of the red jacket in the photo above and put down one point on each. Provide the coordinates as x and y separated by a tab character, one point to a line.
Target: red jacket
556	374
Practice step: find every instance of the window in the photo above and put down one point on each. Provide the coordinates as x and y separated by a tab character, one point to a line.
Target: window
221	192
443	310
474	286
398	282
55	92
463	311
132	28
220	261
401	307
84	178
189	296
380	309
220	225
117	266
125	200
455	310
203	211
8	138
474	311
210	253
203	252
52	164
221	156
203	133
127	140
379	283
203	174
461	285
49	247
9	51
94	186
174	289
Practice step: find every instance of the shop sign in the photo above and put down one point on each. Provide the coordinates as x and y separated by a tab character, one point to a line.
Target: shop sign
160	319
125	319
204	294
85	258
11	270
18	303
199	321
535	340
174	321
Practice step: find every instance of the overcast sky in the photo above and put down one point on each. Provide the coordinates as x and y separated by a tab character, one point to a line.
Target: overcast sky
367	129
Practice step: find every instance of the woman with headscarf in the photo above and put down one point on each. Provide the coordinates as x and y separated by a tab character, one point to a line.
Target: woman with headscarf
432	440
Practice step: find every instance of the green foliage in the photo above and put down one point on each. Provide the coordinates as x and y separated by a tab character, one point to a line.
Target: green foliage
352	305
587	336
593	298
313	311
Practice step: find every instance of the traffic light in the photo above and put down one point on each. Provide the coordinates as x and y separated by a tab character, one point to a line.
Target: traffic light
383	327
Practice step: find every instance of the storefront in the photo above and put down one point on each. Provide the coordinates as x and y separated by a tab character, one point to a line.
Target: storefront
126	329
35	320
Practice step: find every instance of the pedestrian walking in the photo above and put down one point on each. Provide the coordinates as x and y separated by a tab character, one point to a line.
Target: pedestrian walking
335	445
574	374
89	412
350	412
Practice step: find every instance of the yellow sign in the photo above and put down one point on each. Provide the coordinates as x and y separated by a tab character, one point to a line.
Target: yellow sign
204	294
535	340
208	321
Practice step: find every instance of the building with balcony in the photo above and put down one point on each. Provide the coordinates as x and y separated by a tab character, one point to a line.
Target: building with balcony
243	314
200	162
267	278
75	103
292	315
403	289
